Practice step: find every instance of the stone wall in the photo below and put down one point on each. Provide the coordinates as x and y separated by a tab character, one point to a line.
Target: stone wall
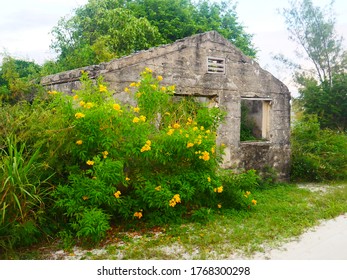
185	64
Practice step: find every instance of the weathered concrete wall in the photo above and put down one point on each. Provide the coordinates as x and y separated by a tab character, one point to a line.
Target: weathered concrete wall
184	63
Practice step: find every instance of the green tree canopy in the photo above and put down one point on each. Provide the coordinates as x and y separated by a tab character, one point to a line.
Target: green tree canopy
328	102
17	78
99	31
106	29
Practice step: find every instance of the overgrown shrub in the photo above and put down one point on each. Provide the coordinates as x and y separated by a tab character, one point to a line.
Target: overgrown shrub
317	154
156	161
114	163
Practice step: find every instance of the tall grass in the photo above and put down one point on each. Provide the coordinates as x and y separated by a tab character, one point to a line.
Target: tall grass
22	194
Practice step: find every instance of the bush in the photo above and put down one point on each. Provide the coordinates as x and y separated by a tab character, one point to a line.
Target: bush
156	161
317	154
115	163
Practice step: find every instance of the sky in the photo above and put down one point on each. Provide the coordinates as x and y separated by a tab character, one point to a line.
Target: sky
25	27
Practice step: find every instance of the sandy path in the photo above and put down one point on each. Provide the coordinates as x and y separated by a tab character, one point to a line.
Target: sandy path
328	241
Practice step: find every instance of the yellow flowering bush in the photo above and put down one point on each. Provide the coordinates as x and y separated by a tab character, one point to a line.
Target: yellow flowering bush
155	161
167	148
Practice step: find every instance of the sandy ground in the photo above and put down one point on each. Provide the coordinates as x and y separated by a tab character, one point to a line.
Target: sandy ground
328	241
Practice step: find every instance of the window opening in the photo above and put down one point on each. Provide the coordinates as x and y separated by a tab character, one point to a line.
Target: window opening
255	119
215	65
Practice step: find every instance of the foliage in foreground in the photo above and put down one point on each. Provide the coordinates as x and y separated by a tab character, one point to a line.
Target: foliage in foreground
317	154
284	211
155	161
22	195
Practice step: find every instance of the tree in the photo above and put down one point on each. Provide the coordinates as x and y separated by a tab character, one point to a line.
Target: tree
313	29
17	78
322	93
223	18
328	102
106	29
99	31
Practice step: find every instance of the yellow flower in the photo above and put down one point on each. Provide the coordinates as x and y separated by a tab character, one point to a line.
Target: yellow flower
117	194
209	179
138	95
163	88
205	156
102	88
158	188
79	142
145	148
171	88
176	125
148	70
220	189
82	103
172	203
75	97
213	150
247	194
132	84
105	153
136	120
202	128
79	115
254	202
127	179
154	87
136	109
159	78
148	142
219	205
53	92
116	107
127	90
138	215
90	162
177	198
190	144
170	132
195	128
208	131
142	118
88	105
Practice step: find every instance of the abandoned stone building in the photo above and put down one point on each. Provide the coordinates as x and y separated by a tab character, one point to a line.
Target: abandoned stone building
210	68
